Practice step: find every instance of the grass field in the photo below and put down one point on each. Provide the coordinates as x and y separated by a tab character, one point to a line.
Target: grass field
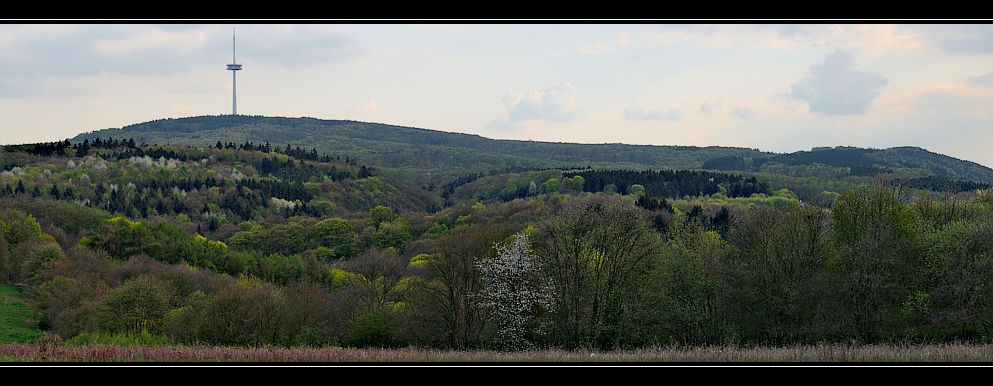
17	322
943	353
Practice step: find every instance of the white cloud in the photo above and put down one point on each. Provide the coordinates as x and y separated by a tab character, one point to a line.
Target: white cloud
183	109
981	80
77	50
966	39
708	108
97	103
145	41
554	104
651	113
719	107
742	112
370	107
834	87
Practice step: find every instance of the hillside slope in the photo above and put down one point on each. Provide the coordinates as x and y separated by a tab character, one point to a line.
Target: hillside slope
413	153
423	156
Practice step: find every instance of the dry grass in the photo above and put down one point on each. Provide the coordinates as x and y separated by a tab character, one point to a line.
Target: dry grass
802	354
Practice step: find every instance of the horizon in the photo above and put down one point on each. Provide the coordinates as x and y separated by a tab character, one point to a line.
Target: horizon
496	139
776	88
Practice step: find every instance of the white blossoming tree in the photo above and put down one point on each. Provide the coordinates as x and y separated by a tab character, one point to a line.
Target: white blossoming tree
514	294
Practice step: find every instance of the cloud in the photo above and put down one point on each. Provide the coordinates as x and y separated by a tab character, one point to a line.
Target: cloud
597	48
742	112
834	87
981	80
719	107
182	109
650	113
298	46
97	103
789	31
710	108
555	104
971	39
370	107
84	50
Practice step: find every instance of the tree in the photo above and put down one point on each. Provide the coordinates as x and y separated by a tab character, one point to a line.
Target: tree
594	252
393	234
336	234
578	182
382	270
137	305
446	296
380	214
683	300
876	240
776	274
514	294
552	185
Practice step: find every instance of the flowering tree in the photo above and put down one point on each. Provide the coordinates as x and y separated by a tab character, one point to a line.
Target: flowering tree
514	295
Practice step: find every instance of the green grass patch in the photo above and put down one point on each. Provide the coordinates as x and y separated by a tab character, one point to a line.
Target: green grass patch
18	322
119	339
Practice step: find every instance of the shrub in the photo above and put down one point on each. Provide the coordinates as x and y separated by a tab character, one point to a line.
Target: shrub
137	305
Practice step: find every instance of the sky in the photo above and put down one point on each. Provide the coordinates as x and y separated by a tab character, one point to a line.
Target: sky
772	87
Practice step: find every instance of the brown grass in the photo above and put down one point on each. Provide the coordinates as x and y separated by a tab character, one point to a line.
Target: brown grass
804	354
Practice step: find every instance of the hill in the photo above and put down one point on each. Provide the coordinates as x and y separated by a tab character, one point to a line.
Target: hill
417	155
424	157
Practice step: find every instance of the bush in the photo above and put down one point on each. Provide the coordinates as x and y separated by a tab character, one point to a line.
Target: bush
375	329
137	305
144	338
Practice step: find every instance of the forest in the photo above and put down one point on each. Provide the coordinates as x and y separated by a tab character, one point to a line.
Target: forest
251	244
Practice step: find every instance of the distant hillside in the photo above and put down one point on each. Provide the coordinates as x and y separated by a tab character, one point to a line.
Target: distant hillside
412	153
863	161
433	157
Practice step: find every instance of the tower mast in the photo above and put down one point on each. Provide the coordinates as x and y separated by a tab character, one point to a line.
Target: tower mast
234	67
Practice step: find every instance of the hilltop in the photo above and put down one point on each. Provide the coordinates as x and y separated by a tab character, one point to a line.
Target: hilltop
424	156
418	155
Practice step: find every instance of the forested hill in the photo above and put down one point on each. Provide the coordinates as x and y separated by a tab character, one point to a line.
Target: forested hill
425	156
413	153
863	161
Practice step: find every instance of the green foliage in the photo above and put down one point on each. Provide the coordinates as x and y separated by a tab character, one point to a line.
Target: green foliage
38	257
954	299
144	338
552	185
684	299
595	253
138	305
436	231
18	227
395	234
877	238
337	234
375	329
379	215
610	189
420	261
244	313
636	190
734	267
69	306
776	274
